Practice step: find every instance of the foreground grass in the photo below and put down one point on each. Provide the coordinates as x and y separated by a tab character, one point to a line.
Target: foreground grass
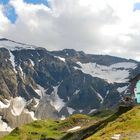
58	129
99	125
46	128
127	124
35	130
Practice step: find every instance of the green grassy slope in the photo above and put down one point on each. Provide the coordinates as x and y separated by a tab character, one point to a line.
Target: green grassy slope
127	124
105	118
99	127
59	129
48	128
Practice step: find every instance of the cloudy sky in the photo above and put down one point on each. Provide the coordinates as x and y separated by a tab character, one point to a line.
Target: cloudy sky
94	26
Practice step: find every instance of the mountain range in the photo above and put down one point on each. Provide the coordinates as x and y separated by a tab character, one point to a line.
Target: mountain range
39	84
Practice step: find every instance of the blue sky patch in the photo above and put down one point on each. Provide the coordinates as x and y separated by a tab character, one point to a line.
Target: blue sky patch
4	1
136	6
9	10
10	13
45	2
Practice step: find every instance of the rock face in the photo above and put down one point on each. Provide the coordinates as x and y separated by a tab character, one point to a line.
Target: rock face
39	84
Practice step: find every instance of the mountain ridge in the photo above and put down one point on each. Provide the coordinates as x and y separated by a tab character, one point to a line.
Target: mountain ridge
64	50
38	84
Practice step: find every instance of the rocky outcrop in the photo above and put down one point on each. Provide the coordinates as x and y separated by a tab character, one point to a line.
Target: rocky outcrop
38	84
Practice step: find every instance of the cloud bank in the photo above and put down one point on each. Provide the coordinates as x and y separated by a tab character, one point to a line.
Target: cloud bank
94	26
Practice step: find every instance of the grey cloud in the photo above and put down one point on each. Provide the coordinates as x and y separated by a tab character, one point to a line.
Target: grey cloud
68	25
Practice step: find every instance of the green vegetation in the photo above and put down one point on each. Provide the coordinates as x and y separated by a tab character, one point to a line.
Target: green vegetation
47	128
58	129
35	130
97	126
127	124
102	114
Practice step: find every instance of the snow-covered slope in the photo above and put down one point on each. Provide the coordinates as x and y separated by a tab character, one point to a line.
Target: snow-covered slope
13	45
38	84
116	73
55	100
18	105
4	126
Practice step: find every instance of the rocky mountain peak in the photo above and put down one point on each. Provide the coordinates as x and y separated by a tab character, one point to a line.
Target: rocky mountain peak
37	84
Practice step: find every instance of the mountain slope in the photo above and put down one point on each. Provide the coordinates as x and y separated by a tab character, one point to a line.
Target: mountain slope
94	128
38	84
78	127
49	128
128	125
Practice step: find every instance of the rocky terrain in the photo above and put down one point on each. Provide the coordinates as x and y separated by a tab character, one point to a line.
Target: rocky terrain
38	84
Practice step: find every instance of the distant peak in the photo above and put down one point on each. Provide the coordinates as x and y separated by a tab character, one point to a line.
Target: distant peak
14	45
4	39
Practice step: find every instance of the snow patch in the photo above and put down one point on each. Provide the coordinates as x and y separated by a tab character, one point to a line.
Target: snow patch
32	62
122	89
31	113
62	117
37	102
55	100
21	70
12	45
70	110
12	59
92	110
116	73
17	105
2	105
41	91
68	98
40	60
4	126
76	92
74	128
38	54
107	93
99	95
116	137
61	58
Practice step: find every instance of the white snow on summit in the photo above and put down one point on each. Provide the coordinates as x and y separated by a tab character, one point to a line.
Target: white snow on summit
12	45
118	72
